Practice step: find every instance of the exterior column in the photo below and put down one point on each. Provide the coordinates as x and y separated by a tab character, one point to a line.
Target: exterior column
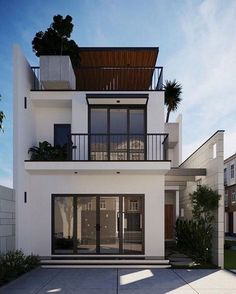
177	203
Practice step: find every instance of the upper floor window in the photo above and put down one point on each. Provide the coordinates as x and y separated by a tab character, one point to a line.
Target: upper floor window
102	204
232	171
233	197
226	199
133	205
225	176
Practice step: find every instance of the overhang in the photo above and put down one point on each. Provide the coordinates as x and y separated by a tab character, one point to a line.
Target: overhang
180	176
117	99
116	68
98	167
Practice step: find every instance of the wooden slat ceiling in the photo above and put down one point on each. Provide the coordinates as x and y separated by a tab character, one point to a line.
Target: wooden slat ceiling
98	68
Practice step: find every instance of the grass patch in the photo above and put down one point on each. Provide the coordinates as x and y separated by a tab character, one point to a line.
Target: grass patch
230	259
195	266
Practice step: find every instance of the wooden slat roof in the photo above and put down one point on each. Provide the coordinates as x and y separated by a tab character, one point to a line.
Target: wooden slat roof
107	68
118	56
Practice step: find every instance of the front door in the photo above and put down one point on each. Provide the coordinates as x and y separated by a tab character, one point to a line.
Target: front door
97	224
169	221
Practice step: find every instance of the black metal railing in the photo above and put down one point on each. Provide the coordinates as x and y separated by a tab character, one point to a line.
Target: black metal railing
118	147
111	79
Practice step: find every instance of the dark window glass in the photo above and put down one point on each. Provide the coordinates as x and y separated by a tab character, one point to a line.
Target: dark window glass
118	121
137	121
61	134
98	120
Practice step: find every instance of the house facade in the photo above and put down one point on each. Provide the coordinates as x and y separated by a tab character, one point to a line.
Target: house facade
230	195
117	189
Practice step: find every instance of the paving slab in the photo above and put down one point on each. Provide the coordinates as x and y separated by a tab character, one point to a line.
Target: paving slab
213	281
124	281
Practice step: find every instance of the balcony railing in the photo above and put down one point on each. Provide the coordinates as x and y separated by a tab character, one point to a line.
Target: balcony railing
112	79
118	147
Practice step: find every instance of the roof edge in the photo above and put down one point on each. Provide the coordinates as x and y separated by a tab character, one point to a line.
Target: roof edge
218	131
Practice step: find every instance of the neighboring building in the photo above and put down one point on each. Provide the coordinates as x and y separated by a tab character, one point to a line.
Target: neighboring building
7	219
121	187
230	194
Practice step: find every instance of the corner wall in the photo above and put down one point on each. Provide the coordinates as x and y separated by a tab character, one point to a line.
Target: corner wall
7	219
210	156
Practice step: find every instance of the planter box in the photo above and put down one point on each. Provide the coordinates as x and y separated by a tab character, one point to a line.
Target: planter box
56	73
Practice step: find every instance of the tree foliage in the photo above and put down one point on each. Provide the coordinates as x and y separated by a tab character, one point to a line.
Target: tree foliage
173	91
56	40
204	201
194	236
2	116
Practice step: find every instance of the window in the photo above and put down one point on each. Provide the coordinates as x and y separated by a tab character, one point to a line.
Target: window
226	199
214	151
133	205
233	197
102	204
225	176
117	133
232	171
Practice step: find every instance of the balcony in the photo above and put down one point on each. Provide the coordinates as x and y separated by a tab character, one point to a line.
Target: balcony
111	79
109	154
118	147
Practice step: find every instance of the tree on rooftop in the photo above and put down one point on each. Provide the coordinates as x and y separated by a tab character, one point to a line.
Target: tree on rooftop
56	40
173	91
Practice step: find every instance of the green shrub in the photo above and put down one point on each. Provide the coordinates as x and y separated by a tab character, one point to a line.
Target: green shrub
195	239
14	264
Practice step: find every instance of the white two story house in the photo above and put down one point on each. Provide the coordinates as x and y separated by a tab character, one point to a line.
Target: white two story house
120	183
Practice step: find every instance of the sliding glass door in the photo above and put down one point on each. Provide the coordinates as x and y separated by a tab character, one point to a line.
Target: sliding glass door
97	224
117	133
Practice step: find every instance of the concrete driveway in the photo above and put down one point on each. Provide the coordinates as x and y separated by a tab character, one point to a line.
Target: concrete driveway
125	281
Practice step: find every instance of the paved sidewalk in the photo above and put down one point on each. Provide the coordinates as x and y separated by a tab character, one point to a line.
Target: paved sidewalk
124	281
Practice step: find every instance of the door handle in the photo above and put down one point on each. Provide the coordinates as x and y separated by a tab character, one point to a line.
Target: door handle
98	227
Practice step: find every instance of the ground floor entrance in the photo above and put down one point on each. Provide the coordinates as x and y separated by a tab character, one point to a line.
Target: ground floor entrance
97	224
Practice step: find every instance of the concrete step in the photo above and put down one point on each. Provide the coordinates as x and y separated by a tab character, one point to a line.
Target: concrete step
104	263
107	266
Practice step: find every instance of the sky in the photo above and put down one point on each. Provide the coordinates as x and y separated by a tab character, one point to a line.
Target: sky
197	47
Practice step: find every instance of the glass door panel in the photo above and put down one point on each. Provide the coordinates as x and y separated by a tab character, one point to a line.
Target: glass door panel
98	129
86	225
109	225
137	137
118	134
132	232
63	237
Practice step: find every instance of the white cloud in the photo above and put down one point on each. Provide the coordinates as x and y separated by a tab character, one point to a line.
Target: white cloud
206	66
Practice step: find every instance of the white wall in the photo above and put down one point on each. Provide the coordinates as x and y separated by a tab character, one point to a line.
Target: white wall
155	112
46	117
24	134
175	141
203	158
7	219
37	229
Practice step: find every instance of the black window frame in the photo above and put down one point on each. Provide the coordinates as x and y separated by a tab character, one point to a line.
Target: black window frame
120	106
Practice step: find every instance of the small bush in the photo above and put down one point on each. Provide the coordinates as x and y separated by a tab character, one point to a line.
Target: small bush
195	239
14	264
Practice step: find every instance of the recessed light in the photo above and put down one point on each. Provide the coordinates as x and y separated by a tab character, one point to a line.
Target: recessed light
117	101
